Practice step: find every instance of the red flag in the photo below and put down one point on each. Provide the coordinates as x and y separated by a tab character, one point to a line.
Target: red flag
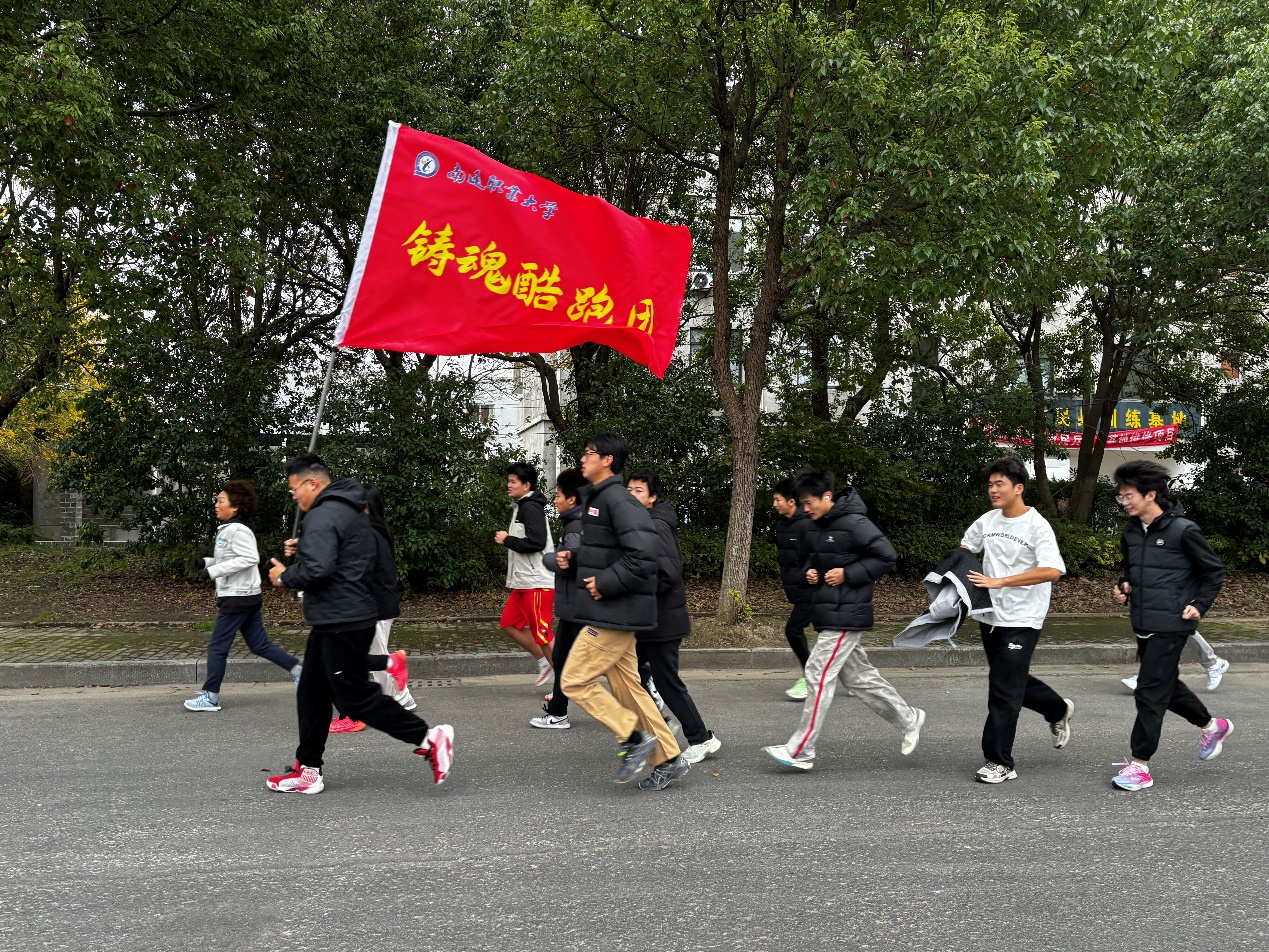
464	255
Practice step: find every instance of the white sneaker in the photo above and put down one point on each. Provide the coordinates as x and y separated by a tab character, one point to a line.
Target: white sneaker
995	773
550	722
1215	673
913	737
405	699
780	754
203	702
545	673
698	752
1062	728
656	696
1130	683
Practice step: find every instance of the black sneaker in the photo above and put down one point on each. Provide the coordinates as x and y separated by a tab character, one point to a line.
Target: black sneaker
665	772
633	756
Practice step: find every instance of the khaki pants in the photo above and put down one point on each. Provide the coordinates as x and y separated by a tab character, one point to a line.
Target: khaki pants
602	651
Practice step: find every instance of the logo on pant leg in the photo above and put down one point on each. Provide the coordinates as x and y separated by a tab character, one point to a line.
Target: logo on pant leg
1014	647
592	632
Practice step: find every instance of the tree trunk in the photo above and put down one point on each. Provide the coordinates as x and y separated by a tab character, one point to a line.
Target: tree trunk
819	338
1113	368
1039	411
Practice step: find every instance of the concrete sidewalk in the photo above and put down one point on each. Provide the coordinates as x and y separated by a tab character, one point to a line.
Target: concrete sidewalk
122	655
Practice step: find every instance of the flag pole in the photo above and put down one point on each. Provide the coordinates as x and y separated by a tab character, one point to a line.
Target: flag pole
317	424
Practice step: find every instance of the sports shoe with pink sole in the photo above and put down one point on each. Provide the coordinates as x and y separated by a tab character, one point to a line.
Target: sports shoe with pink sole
1210	741
300	780
346	725
398	669
1134	776
438	748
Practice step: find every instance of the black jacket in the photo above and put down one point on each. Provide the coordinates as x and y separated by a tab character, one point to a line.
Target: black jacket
384	584
565	586
846	539
1169	565
531	512
619	550
673	621
336	559
791	554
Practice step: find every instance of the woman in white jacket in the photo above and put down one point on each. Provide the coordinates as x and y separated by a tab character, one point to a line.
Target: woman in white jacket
235	565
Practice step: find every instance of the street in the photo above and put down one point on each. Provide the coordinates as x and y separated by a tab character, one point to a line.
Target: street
130	824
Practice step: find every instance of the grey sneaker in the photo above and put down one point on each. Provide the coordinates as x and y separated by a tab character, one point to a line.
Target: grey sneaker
1062	728
633	756
663	774
550	722
913	737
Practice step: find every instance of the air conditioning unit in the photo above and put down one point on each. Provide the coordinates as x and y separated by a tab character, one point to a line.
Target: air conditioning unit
700	280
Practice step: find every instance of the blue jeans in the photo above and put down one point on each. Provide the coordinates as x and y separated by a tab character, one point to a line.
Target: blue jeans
251	624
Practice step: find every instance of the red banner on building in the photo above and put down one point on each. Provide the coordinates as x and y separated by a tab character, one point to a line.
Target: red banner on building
1153	437
464	255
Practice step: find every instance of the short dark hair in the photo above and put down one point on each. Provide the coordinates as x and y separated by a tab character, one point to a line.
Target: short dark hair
787	487
813	483
527	473
1009	467
1145	476
610	444
648	476
306	466
242	496
570	482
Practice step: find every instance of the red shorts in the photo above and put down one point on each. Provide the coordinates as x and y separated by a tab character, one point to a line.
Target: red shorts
530	608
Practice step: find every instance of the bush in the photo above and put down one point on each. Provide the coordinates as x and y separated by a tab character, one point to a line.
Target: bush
16	535
1088	553
703	550
922	546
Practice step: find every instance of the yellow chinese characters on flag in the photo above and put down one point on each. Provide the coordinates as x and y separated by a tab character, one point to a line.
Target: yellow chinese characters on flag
464	255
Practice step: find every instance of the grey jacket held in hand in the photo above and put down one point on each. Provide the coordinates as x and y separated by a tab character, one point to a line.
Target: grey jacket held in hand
953	598
336	560
619	550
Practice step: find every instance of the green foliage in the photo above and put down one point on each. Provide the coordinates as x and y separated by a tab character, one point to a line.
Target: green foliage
418	437
16	535
922	546
705	548
1088	552
1230	494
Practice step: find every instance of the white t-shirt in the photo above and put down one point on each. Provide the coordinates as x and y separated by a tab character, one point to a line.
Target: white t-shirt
1011	547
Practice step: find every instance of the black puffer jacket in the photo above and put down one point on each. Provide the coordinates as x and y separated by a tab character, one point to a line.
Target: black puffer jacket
619	550
673	621
1169	565
336	559
565	587
846	539
384	583
791	554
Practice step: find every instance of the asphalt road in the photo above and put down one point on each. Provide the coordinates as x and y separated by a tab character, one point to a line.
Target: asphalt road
128	824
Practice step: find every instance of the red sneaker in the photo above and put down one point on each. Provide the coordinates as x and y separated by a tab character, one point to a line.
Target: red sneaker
346	725
299	780
398	669
438	748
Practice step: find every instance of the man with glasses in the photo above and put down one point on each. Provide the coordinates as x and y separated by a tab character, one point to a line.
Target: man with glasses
615	569
336	558
1021	561
1171	577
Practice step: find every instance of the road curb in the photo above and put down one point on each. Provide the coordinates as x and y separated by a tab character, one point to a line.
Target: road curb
427	667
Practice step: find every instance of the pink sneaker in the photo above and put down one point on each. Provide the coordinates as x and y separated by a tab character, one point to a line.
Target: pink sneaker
438	748
1133	777
346	725
299	780
1210	741
545	673
398	669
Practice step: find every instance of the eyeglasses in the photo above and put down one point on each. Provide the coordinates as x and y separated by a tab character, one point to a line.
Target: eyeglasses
300	486
590	453
1129	497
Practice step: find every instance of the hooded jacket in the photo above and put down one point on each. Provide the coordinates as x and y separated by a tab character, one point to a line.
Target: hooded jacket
791	556
953	598
235	561
336	559
1169	565
673	621
384	583
845	538
619	550
565	587
528	536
